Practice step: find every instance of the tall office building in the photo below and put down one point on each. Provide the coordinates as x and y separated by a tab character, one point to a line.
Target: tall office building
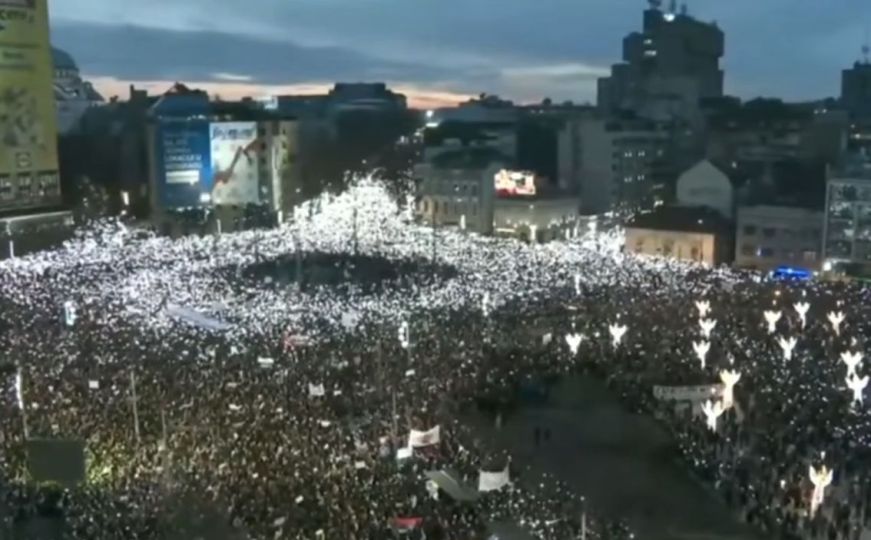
667	67
28	123
856	87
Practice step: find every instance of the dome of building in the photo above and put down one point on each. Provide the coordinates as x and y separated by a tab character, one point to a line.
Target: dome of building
62	60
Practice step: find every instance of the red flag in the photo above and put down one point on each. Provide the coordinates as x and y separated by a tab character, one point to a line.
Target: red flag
407	523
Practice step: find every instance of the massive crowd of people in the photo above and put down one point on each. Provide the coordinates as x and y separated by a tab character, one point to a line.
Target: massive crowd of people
216	405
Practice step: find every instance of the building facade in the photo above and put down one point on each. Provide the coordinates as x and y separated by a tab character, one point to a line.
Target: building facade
856	89
612	163
457	189
223	162
688	234
29	178
769	236
847	224
704	185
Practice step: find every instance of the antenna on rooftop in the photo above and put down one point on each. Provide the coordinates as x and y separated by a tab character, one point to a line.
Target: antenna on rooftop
655	4
684	10
866	49
672	6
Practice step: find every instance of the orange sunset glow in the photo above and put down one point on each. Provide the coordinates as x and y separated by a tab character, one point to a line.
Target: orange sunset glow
419	98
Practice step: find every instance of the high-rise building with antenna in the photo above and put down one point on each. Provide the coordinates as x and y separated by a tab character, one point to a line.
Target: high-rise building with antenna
669	66
856	85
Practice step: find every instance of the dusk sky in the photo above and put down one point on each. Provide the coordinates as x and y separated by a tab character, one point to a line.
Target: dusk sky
438	51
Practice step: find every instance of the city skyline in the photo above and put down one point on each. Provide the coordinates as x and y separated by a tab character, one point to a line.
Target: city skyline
435	55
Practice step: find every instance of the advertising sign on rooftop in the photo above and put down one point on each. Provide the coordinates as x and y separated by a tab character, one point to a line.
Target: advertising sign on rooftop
515	183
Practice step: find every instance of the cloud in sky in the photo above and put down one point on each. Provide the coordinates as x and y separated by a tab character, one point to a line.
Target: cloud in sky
518	48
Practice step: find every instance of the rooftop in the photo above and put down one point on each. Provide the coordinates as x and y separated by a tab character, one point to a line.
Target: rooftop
682	219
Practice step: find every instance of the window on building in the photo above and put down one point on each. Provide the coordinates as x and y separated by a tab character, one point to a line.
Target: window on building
769	232
749	230
694	254
810	256
748	250
766	252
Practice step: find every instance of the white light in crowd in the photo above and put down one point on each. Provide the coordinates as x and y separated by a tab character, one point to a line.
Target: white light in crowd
802	308
821	479
857	385
19	392
771	317
835	319
729	378
533	234
852	360
69	313
577	284
574	342
787	345
11	249
280	217
701	349
704	308
125	198
707	326
463	222
617	332
712	411
485	304
404	337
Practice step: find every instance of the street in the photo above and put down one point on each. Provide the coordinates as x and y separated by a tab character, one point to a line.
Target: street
621	462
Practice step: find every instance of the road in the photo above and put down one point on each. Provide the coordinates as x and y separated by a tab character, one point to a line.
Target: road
622	463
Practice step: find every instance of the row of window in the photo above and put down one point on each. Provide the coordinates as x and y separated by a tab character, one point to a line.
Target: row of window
766	252
636	178
667	248
449	208
772	232
29	187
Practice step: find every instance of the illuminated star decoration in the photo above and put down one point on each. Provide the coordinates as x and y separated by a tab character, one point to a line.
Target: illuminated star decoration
701	349
729	379
707	325
704	308
852	360
617	332
802	308
821	479
574	341
712	412
857	385
836	318
787	345
771	317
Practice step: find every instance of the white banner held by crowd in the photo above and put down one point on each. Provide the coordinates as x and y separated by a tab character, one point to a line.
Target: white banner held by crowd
493	481
196	318
419	439
699	392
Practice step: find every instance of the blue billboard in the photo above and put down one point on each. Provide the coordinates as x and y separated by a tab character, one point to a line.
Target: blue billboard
184	164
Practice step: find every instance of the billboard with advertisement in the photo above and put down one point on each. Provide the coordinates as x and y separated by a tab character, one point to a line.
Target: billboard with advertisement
28	122
514	183
184	164
235	156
